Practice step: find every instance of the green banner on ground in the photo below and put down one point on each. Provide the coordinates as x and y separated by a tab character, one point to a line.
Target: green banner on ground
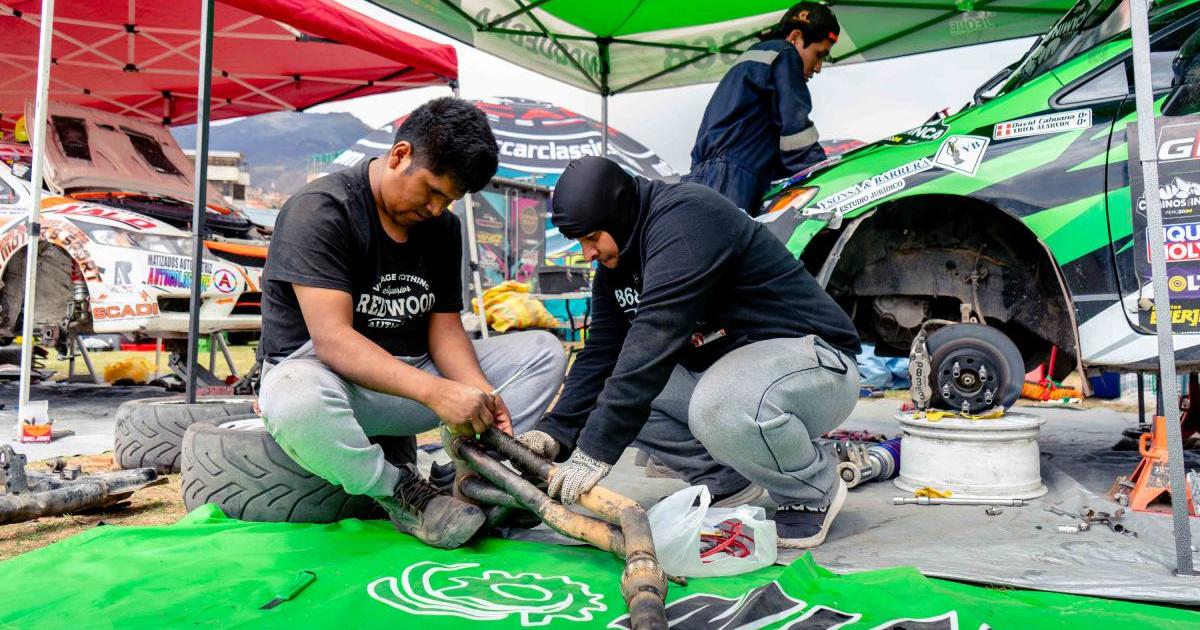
209	570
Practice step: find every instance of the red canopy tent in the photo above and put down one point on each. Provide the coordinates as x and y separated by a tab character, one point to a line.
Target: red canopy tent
142	58
139	57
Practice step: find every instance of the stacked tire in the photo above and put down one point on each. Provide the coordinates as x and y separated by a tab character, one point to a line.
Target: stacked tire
149	432
236	464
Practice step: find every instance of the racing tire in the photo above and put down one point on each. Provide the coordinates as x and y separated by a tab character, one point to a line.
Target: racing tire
975	368
150	431
236	465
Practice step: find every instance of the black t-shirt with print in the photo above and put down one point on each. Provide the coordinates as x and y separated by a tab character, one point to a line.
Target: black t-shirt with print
328	235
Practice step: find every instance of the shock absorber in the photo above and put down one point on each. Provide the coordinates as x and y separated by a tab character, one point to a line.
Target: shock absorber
79	294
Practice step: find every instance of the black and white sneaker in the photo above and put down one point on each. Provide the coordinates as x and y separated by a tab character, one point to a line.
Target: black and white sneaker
434	517
802	527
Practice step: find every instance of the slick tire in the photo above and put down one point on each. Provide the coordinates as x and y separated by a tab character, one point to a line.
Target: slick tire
150	431
235	464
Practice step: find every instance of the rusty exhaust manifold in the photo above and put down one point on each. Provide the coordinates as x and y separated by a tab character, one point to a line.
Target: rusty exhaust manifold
625	531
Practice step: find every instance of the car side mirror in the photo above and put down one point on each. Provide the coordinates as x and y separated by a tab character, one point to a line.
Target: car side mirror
1184	97
988	90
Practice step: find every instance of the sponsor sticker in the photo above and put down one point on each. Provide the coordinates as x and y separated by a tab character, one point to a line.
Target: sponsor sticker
916	135
1182	242
127	219
1042	125
1178	142
1180	316
869	190
1184	283
224	281
124	311
962	154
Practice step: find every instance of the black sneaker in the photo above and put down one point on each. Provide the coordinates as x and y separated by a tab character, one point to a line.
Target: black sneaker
802	527
441	476
434	517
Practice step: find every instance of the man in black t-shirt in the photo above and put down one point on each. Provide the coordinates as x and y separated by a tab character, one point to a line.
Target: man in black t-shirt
362	339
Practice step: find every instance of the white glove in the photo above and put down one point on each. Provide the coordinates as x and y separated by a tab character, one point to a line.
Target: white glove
576	476
540	442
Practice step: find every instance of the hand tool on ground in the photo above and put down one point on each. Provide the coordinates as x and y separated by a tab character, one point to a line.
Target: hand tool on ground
625	530
1090	516
959	501
1060	512
302	581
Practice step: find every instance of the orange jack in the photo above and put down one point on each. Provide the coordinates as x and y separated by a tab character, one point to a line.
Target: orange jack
1150	479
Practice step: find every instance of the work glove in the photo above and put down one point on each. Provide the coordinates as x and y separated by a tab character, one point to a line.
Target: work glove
576	476
541	443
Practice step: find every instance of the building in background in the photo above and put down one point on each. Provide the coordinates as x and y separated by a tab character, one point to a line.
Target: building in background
227	172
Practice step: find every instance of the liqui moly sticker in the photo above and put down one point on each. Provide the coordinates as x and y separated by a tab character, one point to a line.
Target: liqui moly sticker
1042	125
1182	242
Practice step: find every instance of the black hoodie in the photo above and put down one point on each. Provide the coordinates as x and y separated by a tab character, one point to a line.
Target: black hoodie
696	279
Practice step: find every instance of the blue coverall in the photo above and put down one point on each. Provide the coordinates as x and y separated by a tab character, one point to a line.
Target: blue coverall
756	128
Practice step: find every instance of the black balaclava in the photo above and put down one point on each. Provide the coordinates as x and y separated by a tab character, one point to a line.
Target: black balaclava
595	194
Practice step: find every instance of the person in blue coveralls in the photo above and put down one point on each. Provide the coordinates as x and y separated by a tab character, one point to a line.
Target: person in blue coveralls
757	127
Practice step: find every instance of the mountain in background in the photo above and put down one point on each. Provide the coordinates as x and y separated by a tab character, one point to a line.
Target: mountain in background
277	146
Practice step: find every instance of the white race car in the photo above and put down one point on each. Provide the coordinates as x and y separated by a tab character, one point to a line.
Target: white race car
107	270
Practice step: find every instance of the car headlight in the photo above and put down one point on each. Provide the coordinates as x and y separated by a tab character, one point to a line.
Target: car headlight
165	244
794	199
127	238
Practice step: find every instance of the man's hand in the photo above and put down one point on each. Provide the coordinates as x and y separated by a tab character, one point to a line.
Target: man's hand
576	476
461	407
541	443
500	413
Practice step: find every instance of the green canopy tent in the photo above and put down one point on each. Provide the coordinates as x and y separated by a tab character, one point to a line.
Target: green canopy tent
620	46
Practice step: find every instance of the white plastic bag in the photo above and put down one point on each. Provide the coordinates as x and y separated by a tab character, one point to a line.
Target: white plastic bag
677	521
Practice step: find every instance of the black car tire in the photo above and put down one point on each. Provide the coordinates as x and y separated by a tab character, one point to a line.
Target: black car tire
149	431
235	464
972	345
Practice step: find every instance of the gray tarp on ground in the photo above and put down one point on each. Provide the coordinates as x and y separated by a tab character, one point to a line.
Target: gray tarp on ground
963	543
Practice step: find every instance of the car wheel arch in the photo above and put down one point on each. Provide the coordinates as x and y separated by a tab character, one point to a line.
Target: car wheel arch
835	257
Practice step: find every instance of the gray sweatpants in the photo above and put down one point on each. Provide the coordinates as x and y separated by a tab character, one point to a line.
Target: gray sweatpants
752	416
324	422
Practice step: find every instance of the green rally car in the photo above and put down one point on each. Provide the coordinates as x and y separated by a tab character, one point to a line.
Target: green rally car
1016	213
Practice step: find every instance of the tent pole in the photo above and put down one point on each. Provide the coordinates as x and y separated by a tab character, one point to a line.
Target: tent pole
34	227
473	254
1148	155
604	125
200	202
605	69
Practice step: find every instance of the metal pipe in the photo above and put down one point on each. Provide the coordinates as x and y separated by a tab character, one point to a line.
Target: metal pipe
573	525
959	501
200	201
479	491
1148	156
33	229
643	583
